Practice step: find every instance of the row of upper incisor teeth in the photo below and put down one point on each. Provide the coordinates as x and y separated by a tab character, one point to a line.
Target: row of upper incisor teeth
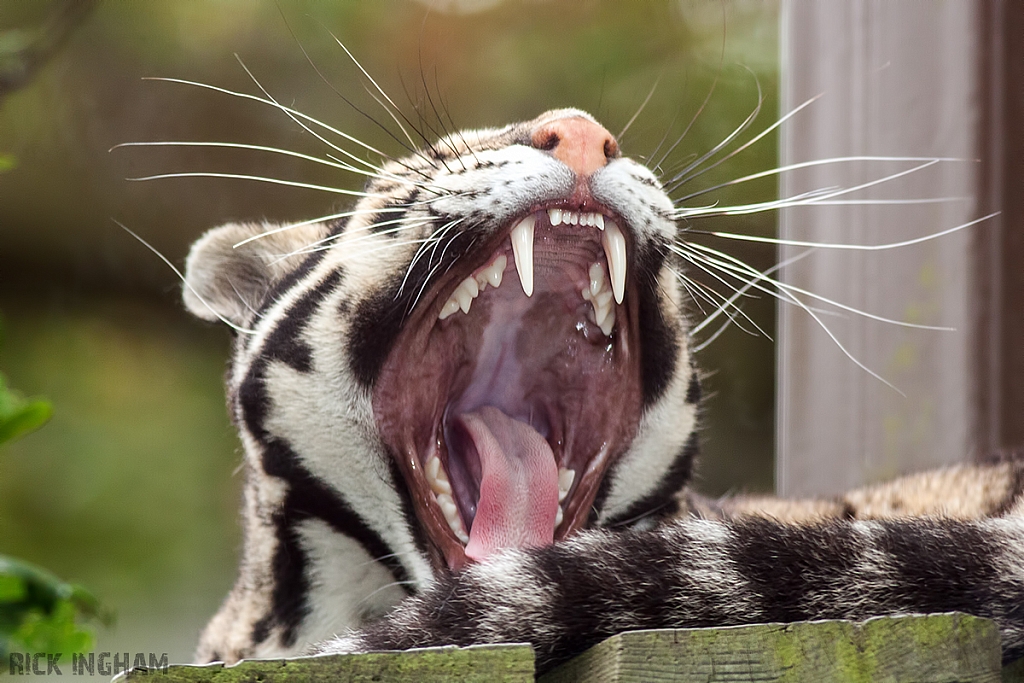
611	239
442	488
558	216
471	287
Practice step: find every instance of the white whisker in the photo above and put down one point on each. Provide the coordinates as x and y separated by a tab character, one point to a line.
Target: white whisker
809	164
181	277
725	301
262	179
283	108
311	221
379	89
735	265
853	247
750	283
682	179
781	203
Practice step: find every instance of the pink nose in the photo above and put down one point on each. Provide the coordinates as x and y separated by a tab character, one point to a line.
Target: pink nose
580	144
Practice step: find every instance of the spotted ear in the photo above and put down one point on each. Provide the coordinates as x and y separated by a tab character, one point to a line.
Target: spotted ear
228	273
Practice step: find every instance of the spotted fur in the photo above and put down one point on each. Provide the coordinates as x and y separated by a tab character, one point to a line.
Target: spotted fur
333	540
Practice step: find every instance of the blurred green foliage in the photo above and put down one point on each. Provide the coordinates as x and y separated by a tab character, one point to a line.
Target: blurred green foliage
19	416
41	613
38	611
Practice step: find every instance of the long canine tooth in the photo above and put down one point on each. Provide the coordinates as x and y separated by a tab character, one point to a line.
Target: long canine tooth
522	250
615	250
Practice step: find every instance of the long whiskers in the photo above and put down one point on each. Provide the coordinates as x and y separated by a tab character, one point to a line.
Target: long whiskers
237	328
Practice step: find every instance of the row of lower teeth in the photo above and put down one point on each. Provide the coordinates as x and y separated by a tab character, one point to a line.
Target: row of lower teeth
442	488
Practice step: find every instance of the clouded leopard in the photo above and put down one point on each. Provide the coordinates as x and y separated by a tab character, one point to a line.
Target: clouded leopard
468	409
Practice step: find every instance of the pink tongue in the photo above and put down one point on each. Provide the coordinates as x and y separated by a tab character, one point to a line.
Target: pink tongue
518	487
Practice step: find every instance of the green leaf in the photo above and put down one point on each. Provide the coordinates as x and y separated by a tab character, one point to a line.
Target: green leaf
24	417
39	612
12	588
7	162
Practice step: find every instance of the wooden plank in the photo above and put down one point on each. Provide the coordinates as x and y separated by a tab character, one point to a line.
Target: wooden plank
480	664
895	79
921	649
999	284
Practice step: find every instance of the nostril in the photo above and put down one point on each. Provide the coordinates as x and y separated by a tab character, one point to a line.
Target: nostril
549	142
611	149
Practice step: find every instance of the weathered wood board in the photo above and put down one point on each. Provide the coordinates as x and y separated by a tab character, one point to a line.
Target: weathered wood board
920	649
476	664
935	648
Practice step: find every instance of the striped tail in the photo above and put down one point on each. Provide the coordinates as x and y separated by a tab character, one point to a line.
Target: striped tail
692	573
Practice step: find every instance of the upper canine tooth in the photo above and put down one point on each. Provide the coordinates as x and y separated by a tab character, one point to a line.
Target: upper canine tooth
615	250
555	215
522	251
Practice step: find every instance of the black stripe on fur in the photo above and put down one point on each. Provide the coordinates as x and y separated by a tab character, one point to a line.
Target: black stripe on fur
660	341
661	502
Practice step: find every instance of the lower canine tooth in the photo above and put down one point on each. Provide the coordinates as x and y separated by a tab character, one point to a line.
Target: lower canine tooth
522	251
559	515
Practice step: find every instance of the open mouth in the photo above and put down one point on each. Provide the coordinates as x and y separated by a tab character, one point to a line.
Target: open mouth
515	384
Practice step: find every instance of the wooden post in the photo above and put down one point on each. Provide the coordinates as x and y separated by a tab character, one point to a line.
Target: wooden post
896	79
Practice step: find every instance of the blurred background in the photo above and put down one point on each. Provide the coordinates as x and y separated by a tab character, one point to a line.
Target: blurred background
132	489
